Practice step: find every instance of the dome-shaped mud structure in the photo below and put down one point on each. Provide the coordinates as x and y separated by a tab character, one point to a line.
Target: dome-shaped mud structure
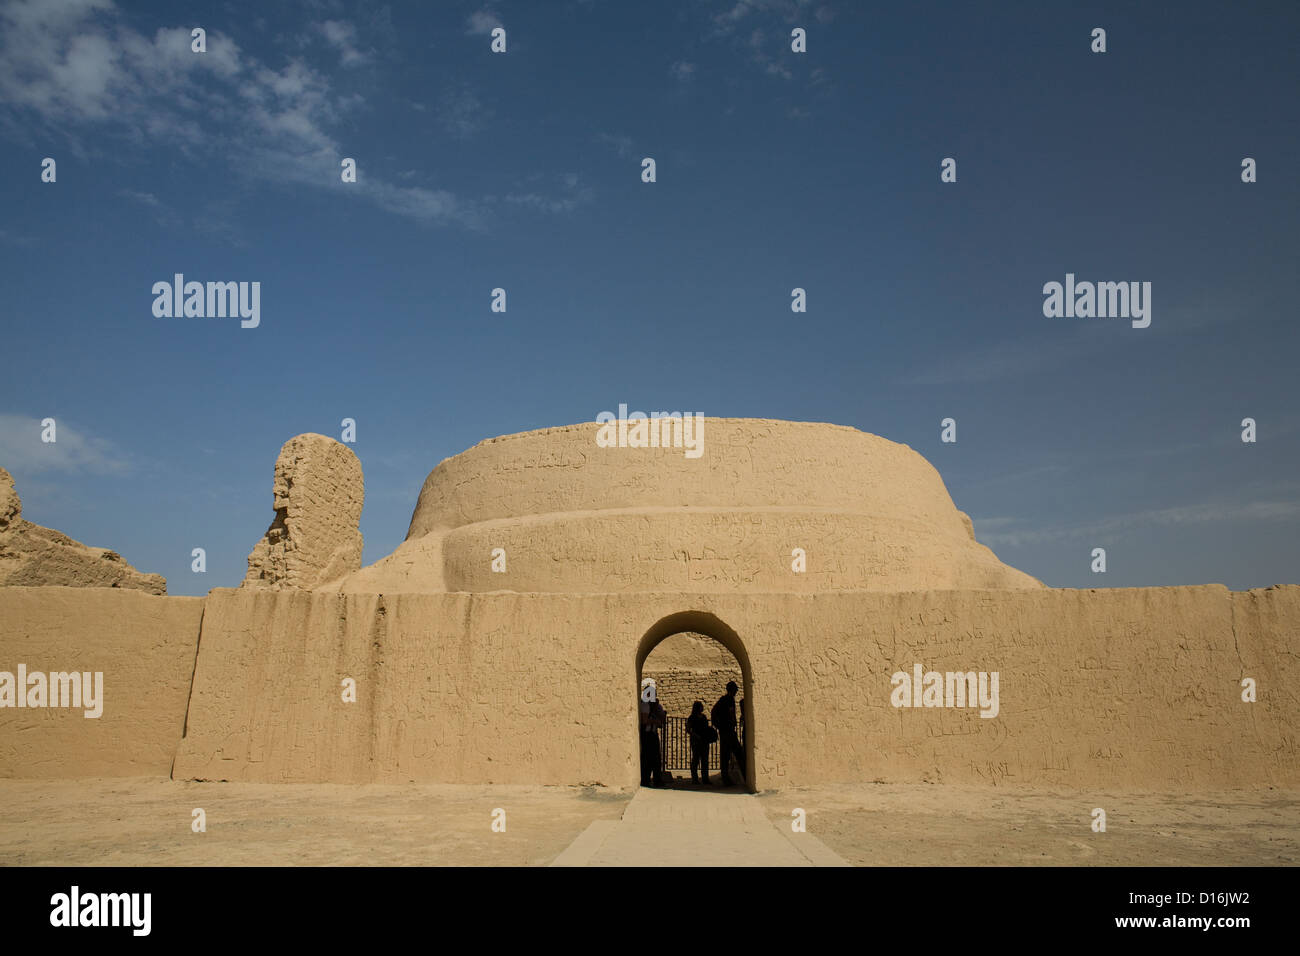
553	511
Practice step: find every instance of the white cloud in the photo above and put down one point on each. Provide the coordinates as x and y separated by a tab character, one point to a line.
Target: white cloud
343	37
66	61
70	62
682	71
21	448
482	22
767	52
737	11
75	68
429	204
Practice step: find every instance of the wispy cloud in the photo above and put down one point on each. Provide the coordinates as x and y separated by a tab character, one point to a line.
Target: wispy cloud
65	60
1015	532
1010	359
74	451
77	68
735	12
429	204
619	143
571	194
342	36
482	22
165	215
681	71
1060	344
207	216
149	199
758	52
736	20
461	113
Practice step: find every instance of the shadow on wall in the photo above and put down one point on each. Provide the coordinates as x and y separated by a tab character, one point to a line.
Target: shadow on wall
707	625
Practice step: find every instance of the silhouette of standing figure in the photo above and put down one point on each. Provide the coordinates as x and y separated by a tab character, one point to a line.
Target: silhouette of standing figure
697	725
724	719
652	717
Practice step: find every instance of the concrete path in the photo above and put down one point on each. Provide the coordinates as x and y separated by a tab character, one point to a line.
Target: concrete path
692	828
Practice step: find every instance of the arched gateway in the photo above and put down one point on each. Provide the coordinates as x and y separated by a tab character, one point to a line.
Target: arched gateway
703	622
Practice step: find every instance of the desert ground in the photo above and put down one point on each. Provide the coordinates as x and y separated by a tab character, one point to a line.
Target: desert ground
938	825
147	821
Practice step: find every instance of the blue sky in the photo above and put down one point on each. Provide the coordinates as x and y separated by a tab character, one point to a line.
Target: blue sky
775	170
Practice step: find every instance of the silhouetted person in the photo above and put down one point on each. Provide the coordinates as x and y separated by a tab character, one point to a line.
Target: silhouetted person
724	719
643	723
659	720
652	716
697	725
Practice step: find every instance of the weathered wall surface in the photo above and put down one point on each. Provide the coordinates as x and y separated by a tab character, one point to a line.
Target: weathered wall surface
1131	688
1134	688
731	549
1266	627
1113	688
314	539
145	647
455	687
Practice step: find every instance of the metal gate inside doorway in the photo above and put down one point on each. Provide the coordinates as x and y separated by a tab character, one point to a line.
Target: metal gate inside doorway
675	746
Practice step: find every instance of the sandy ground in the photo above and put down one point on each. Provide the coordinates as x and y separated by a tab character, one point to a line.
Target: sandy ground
143	821
146	821
929	825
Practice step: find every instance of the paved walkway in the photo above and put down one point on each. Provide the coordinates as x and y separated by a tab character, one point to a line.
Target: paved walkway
693	828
